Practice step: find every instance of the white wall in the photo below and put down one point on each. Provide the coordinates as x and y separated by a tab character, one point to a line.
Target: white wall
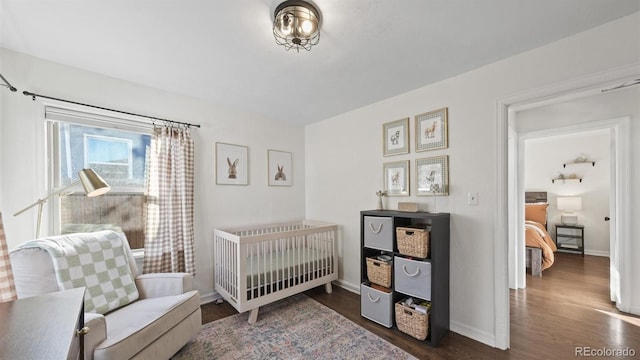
23	165
544	159
344	159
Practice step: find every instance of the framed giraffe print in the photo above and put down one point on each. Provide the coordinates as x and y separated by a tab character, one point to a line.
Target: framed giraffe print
432	130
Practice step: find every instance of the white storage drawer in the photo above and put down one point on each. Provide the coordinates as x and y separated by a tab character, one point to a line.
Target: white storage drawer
376	305
378	232
412	277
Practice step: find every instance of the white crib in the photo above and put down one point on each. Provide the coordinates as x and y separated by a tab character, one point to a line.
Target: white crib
257	265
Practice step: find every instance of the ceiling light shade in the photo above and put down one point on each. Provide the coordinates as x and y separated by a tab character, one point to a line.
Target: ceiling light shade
296	25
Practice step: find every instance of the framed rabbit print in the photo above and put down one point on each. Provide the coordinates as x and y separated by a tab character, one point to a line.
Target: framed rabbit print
432	130
280	172
232	164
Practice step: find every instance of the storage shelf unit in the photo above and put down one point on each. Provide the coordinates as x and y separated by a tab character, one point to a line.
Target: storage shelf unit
377	237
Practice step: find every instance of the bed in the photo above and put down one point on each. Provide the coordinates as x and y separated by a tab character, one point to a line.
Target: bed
536	234
257	265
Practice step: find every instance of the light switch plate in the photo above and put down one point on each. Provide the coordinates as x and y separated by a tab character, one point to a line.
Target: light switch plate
473	198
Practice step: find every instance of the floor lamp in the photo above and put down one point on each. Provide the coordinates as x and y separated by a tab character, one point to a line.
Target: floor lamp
92	183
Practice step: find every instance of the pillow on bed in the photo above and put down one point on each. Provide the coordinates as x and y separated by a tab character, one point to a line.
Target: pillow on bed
536	212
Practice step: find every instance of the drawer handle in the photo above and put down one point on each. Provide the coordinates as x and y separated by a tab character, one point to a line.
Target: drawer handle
404	269
374	229
372	299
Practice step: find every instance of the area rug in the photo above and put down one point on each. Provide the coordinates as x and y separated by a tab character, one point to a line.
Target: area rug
294	328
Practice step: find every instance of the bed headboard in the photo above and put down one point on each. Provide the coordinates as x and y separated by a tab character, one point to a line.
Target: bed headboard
536	209
535	197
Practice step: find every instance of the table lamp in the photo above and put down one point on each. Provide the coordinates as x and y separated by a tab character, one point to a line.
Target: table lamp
569	204
92	183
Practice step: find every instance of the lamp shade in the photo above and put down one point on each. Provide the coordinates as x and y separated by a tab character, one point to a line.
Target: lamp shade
570	203
92	183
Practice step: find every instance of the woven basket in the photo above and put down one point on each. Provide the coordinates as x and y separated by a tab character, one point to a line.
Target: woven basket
379	272
413	241
412	322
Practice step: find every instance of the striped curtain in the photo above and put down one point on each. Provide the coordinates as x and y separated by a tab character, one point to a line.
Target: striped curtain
7	286
169	239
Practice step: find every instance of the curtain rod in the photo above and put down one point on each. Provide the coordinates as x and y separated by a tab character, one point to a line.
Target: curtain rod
623	85
27	93
6	83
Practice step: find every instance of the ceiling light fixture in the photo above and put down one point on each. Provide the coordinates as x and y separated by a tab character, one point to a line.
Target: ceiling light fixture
296	25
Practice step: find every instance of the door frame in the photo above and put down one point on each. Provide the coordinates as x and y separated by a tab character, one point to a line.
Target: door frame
584	86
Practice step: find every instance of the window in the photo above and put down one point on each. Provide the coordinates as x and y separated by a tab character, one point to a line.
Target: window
109	156
117	151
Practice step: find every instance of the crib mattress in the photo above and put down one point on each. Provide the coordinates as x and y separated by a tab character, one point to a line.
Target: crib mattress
286	265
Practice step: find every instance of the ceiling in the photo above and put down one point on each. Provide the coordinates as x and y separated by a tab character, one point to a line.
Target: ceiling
224	51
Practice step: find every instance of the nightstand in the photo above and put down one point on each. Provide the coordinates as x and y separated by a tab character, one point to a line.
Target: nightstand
570	238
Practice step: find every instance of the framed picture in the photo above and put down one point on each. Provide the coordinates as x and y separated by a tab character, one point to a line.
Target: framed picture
395	137
432	130
232	164
432	175
396	178
280	172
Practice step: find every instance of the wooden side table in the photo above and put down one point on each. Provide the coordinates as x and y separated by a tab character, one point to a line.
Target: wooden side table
43	327
570	238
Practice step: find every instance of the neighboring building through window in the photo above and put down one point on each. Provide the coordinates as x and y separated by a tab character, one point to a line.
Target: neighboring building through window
118	154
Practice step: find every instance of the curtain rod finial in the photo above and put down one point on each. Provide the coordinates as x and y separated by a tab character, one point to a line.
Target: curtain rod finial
26	93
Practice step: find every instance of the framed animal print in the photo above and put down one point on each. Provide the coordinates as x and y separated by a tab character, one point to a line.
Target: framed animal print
395	137
432	130
280	171
232	164
396	178
432	175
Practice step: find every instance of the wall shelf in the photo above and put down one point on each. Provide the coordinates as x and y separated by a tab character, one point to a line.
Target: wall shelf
593	163
566	179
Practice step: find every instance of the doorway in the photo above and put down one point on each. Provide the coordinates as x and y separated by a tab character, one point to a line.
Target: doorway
546	158
511	202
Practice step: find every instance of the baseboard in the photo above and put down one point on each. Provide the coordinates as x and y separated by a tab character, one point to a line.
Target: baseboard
348	286
210	297
634	310
597	253
473	333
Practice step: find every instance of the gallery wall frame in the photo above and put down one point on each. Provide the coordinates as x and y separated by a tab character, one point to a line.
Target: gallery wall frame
432	175
280	168
396	178
395	137
232	164
432	130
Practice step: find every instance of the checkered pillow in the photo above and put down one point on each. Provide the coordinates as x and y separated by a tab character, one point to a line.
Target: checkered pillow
97	261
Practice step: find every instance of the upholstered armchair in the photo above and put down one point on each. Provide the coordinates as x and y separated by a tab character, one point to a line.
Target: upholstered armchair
158	315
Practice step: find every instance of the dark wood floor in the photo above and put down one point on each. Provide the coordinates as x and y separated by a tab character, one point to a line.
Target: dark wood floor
567	307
